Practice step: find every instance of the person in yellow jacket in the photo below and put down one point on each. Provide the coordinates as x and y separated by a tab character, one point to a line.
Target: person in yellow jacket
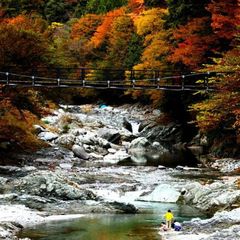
169	218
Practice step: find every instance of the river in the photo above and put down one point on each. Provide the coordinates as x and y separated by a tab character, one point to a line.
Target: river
112	226
94	162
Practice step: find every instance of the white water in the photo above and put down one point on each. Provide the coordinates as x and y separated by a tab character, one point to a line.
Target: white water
135	127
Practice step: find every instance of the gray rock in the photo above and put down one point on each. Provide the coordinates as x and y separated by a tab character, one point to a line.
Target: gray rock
48	136
89	138
80	152
53	184
116	157
212	197
123	207
139	143
8	230
66	140
111	135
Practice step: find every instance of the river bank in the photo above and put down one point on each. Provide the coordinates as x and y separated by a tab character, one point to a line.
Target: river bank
105	160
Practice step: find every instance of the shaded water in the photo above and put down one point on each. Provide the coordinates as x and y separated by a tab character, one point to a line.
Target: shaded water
112	227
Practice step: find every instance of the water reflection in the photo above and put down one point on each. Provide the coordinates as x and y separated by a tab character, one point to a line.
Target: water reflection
112	227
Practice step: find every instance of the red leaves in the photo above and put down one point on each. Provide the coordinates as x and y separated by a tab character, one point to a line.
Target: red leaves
225	17
193	43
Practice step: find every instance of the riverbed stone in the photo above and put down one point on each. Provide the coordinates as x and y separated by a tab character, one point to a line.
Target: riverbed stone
66	140
139	144
47	136
162	193
211	197
80	152
111	135
226	165
123	207
116	157
46	184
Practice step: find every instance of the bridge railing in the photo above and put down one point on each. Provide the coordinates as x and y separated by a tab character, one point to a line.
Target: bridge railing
104	78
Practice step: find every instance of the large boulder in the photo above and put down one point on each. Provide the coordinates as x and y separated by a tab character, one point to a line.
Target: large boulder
212	197
53	184
169	134
162	193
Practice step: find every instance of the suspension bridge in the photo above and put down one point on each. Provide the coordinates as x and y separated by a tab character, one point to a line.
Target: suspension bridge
95	78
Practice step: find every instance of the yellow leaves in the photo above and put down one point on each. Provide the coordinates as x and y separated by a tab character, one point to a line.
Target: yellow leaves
150	24
150	21
223	106
56	25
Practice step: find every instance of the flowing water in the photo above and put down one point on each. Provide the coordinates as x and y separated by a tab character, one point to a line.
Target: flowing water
144	226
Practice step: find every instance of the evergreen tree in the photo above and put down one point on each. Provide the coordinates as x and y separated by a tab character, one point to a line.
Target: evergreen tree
155	3
181	11
103	6
55	11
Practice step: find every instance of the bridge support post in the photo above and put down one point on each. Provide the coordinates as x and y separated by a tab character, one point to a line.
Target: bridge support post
158	83
183	82
132	74
82	76
33	80
133	83
7	77
206	82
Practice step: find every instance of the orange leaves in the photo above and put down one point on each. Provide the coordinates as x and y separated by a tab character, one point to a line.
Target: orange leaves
26	22
103	29
19	20
86	26
136	6
22	41
16	125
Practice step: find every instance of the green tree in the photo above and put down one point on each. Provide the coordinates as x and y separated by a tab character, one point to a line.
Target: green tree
155	3
134	51
13	8
55	11
181	11
103	6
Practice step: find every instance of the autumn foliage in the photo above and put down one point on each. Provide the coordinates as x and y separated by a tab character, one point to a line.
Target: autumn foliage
168	36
